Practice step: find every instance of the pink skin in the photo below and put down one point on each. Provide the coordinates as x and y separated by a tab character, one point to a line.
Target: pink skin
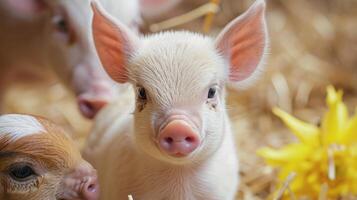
178	138
93	87
82	184
178	132
89	107
92	101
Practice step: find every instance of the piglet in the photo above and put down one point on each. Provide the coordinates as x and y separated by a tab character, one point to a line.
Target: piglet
39	161
175	140
55	35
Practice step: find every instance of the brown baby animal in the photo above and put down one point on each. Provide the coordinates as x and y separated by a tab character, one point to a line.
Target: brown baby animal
39	161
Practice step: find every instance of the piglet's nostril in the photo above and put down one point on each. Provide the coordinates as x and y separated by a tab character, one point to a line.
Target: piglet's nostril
91	188
87	105
169	140
90	107
189	139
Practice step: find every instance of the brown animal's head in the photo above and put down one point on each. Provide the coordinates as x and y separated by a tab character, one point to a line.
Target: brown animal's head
38	160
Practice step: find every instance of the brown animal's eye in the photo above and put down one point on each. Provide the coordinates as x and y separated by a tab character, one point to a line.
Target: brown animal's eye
21	172
212	92
142	93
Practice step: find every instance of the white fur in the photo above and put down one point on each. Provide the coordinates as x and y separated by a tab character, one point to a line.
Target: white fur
124	169
18	126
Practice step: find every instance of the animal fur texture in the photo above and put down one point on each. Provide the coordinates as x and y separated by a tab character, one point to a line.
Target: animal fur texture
179	90
39	161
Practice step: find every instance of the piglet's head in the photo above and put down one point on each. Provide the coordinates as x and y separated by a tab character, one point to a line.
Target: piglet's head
40	161
180	80
61	40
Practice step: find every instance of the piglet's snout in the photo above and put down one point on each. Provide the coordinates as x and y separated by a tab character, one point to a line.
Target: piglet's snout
89	186
178	139
90	189
95	98
91	106
81	184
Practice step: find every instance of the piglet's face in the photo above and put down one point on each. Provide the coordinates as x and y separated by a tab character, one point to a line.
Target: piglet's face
39	161
62	41
180	79
180	96
76	61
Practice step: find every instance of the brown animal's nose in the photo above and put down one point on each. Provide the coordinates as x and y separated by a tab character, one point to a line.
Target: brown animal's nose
89	107
90	189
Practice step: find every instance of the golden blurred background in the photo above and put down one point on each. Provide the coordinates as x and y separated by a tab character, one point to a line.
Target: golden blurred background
313	43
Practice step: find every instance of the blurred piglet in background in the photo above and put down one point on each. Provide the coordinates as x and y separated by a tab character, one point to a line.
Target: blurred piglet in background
55	34
39	161
175	141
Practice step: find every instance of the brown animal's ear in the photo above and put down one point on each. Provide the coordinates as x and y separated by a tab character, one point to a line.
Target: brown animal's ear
114	43
243	42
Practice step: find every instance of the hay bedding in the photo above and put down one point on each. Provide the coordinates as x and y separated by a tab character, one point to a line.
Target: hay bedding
313	44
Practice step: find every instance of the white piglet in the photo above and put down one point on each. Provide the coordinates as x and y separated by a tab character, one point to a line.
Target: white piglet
175	141
55	34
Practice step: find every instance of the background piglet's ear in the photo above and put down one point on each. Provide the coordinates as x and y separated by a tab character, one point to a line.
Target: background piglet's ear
114	43
26	8
244	43
151	8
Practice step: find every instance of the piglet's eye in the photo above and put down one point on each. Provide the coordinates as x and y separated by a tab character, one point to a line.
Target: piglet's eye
21	173
142	93
61	24
212	92
62	28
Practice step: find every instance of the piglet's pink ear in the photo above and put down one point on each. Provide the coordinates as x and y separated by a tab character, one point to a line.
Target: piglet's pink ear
152	8
26	8
114	43
244	42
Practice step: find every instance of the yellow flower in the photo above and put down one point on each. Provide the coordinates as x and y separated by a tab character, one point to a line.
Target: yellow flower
324	156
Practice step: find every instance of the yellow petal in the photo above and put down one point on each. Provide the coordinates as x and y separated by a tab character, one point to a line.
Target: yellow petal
289	153
310	160
333	96
335	119
300	186
349	135
306	133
